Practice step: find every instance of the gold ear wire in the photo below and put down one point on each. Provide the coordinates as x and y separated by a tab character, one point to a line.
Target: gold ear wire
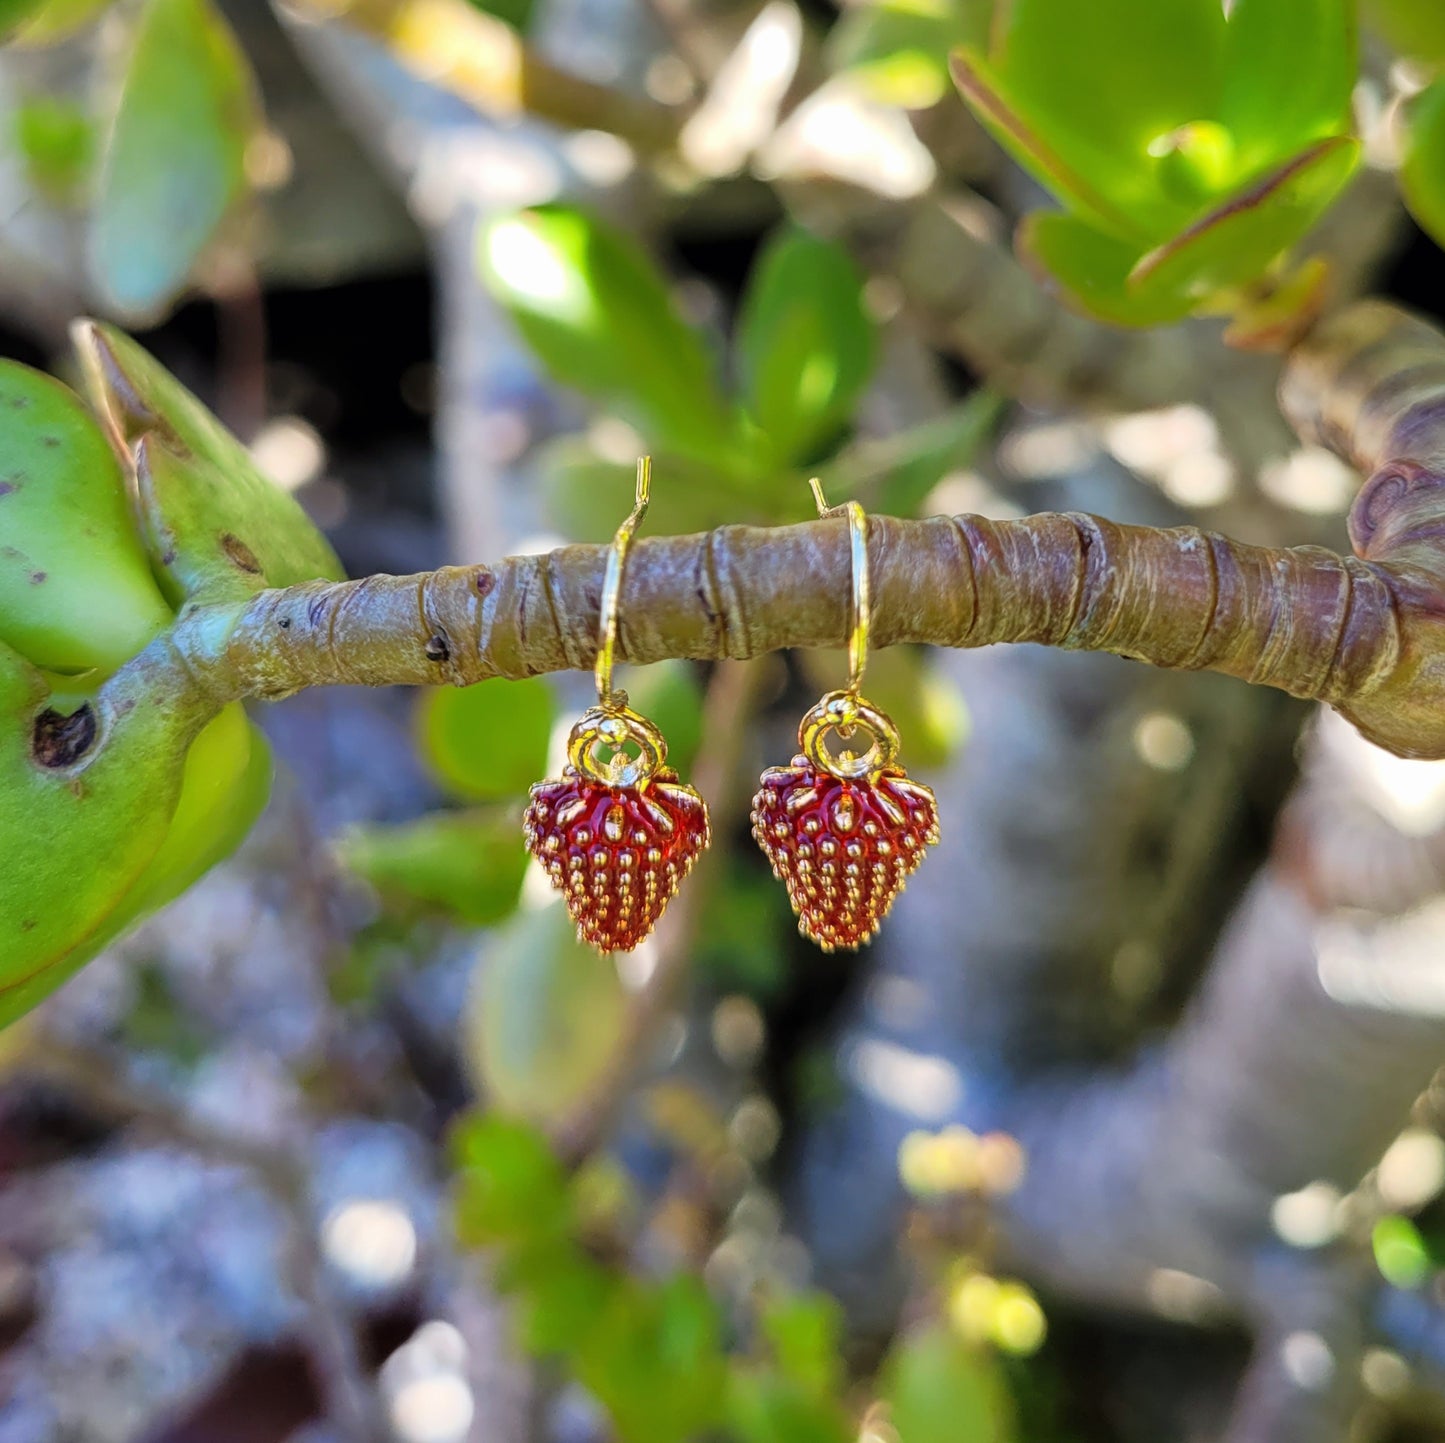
612	588
862	615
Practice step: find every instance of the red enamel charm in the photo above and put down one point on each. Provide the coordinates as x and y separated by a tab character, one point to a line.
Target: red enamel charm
616	842
843	833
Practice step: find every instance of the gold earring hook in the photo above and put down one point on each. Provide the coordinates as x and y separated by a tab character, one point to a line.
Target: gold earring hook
862	618
612	589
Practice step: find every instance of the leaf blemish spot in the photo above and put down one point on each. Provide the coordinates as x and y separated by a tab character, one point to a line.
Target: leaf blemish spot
239	554
61	741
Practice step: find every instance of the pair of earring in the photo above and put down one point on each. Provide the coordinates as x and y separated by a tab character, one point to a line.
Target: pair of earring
618	833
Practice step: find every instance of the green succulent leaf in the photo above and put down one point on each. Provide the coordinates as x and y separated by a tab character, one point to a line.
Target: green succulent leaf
545	1018
487	741
1083	177
76	590
224	790
469	865
175	165
77	835
1091	270
597	312
1309	43
214	525
14	14
1236	242
806	346
940	1390
805	1335
1103	82
57	139
1416	27
1422	177
764	1408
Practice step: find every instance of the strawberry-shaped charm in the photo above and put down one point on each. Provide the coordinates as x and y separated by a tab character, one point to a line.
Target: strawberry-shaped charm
843	831
616	836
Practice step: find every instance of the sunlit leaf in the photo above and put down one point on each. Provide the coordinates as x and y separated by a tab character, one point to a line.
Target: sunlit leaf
1235	243
899	48
469	865
545	1018
174	167
75	584
805	344
1312	42
489	740
214	525
1091	271
598	314
1422	177
57	20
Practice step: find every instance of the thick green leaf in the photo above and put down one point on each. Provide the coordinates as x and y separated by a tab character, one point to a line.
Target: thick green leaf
511	1187
14	14
1422	177
940	1391
598	314
1235	243
175	166
226	786
56	20
1091	271
57	139
1416	27
489	740
1289	73
805	344
468	864
1104	81
1092	184
215	526
77	837
545	1018
765	1408
76	590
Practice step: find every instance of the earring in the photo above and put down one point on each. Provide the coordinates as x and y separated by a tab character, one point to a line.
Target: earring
844	830
617	833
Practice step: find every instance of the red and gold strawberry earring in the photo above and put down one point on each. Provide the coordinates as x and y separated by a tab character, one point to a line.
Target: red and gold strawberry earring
843	830
617	832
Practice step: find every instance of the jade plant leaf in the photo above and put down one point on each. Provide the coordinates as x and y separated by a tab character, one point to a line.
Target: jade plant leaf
76	590
1310	41
545	1017
86	800
899	48
14	14
1422	177
597	312
1190	151
1235	242
805	344
487	741
174	167
214	524
469	864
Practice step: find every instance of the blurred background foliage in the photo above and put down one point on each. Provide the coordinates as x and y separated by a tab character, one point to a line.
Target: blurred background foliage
356	1128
